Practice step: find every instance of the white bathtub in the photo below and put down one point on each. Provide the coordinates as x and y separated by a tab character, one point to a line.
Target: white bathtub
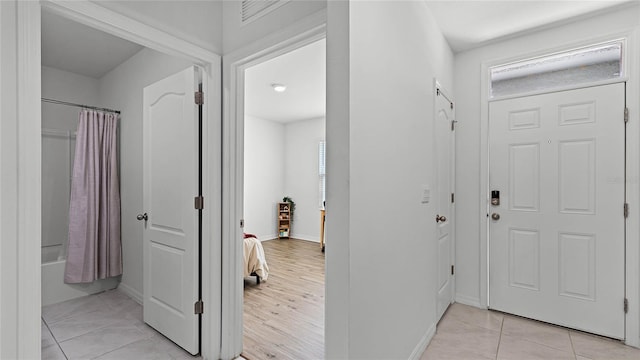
54	290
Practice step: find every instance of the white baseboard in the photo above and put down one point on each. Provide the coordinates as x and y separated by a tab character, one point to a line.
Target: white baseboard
424	342
305	237
131	292
467	300
267	237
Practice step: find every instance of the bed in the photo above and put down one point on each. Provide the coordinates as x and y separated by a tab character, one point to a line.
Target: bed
255	263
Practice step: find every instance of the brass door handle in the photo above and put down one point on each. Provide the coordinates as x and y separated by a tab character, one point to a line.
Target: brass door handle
441	218
495	216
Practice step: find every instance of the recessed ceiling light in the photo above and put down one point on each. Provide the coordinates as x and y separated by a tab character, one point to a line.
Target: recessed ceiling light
279	87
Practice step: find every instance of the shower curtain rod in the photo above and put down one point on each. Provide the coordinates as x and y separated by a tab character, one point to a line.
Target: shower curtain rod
53	101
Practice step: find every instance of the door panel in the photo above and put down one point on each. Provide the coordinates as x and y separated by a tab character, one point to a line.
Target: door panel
445	159
557	248
171	275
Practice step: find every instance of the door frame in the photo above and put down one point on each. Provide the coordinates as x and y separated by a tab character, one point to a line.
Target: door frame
310	29
100	18
631	64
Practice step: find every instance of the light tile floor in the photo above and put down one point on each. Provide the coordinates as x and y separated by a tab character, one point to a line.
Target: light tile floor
466	332
109	326
103	326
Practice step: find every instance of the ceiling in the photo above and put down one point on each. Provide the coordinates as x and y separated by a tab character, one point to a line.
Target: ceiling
303	71
469	24
73	47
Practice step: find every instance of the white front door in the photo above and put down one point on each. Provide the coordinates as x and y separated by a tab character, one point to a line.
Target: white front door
557	235
170	175
445	148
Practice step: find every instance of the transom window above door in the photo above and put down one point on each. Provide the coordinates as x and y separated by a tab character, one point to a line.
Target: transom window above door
591	64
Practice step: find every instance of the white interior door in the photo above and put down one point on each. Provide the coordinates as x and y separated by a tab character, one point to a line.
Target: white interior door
445	148
171	259
557	249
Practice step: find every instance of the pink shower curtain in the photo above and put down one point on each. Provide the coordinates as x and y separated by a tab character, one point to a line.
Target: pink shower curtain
94	250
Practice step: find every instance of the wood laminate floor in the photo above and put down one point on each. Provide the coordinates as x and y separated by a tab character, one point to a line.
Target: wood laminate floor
284	316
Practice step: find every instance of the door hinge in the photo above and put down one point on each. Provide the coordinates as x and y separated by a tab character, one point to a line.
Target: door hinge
242	223
453	124
198	307
626	306
626	115
453	198
626	210
199	202
453	269
199	96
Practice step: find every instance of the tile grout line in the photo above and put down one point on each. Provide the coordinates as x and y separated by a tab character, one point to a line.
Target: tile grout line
575	356
54	338
121	347
500	337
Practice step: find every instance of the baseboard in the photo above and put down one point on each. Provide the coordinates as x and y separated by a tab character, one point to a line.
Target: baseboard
267	237
305	237
424	342
467	300
131	292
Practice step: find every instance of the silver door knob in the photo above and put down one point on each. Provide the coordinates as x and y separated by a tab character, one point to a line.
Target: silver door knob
495	216
441	218
141	217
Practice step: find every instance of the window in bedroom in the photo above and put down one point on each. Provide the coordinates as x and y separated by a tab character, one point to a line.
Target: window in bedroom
321	173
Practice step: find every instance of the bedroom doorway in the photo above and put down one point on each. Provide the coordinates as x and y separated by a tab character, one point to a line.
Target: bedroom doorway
283	259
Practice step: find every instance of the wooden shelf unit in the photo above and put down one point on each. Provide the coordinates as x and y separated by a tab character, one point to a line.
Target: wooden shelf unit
284	220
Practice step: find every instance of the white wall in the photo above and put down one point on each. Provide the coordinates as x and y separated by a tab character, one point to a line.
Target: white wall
121	89
66	86
264	175
301	175
282	160
198	22
236	34
469	196
390	236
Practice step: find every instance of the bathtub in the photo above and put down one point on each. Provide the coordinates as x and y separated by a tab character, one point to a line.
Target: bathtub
54	290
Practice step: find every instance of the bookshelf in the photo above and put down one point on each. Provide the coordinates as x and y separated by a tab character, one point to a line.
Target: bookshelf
284	220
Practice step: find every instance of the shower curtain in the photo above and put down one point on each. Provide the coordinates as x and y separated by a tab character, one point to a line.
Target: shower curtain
94	250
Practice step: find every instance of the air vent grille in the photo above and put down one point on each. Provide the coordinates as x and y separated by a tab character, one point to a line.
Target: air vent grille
253	9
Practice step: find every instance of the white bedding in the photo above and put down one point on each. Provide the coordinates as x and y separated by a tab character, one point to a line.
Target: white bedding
254	260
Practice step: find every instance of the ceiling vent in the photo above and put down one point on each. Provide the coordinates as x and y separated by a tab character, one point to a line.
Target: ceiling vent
254	9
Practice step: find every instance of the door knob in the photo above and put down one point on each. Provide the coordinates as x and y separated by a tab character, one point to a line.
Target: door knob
441	218
495	216
141	217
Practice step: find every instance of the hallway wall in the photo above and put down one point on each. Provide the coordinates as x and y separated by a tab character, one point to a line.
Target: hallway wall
381	253
198	22
237	34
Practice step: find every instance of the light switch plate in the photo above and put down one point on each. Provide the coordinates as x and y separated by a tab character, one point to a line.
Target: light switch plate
426	194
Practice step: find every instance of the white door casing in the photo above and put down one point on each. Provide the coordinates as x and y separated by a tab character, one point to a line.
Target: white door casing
170	180
445	157
557	249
